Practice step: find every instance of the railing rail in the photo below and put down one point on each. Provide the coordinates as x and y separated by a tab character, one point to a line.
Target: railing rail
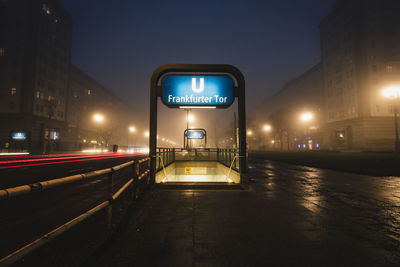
10	193
222	155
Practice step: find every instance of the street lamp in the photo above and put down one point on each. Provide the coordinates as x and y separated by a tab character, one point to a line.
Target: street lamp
249	132
131	129
267	128
146	134
306	117
191	118
98	118
393	93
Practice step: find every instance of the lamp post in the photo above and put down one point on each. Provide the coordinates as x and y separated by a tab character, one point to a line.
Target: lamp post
306	118
98	118
267	128
393	93
132	129
189	118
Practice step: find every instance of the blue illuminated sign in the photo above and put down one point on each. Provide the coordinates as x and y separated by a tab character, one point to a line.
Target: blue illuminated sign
195	135
182	90
19	136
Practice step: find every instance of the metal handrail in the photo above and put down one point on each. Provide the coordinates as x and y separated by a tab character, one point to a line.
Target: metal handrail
162	163
44	185
20	190
230	169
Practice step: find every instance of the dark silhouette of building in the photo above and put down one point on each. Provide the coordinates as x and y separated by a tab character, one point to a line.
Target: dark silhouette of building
360	56
86	97
360	52
37	108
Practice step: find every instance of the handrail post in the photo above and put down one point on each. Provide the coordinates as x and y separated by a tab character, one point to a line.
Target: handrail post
110	184
135	175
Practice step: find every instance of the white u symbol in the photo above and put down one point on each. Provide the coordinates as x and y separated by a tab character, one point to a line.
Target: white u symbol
194	85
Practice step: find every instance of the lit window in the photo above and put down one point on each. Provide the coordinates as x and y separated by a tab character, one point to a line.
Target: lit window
13	91
46	9
37	94
2	52
49	98
89	92
389	68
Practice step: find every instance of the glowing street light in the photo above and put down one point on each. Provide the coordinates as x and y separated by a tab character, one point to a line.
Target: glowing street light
132	129
98	118
190	118
306	117
393	93
249	132
267	128
147	134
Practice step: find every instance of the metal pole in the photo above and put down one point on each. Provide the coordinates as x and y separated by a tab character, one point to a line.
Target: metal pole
396	127
242	133
135	175
235	129
110	184
187	119
153	127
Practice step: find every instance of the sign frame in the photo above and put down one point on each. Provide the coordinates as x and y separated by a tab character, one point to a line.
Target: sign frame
186	139
193	69
192	105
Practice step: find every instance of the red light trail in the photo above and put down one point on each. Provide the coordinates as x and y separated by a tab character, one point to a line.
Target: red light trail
62	161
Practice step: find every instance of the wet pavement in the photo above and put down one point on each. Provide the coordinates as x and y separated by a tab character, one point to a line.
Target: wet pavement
289	216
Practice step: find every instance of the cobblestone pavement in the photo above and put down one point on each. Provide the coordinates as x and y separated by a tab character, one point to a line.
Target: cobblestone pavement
289	216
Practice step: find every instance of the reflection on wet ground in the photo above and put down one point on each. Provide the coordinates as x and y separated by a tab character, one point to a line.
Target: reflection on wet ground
289	216
362	207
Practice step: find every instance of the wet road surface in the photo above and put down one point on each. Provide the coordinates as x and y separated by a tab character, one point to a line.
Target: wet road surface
289	216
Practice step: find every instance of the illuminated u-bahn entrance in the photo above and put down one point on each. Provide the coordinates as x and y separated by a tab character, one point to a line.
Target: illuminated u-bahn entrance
198	86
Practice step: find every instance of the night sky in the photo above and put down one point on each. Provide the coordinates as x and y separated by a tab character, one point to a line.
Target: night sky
120	43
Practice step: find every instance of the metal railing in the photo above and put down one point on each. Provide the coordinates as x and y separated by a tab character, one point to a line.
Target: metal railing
224	156
164	157
139	169
227	156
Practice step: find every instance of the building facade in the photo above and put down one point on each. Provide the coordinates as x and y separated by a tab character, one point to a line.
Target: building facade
360	56
360	52
41	93
283	111
35	46
86	98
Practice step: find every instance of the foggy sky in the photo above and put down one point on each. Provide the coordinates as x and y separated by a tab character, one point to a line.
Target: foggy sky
120	43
